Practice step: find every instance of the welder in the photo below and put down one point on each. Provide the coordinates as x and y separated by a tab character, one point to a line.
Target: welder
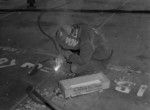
83	47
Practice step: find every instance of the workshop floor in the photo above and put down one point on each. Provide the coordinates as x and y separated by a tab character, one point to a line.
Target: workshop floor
21	41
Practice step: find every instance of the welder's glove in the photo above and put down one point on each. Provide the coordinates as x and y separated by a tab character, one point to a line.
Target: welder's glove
66	54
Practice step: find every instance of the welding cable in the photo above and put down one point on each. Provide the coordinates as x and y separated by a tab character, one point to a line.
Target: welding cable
38	98
99	26
42	30
44	33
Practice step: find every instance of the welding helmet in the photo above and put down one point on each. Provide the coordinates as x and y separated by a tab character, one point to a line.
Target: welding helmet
68	36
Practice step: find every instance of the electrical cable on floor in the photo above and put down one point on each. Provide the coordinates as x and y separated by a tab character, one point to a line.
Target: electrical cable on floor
99	26
44	33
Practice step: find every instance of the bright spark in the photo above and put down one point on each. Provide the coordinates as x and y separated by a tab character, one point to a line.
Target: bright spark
57	67
58	62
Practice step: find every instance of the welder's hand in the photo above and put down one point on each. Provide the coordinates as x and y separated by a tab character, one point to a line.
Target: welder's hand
68	60
66	55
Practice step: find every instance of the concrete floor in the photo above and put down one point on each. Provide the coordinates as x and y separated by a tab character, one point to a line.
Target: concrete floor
127	34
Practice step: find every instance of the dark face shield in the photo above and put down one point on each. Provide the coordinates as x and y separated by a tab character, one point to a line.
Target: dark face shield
67	40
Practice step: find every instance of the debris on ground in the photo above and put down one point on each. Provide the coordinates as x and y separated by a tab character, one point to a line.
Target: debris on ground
123	85
3	60
147	74
141	90
120	68
33	70
31	65
126	69
12	63
30	105
58	93
46	93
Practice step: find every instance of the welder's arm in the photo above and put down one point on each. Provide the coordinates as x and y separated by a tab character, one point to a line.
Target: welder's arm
86	51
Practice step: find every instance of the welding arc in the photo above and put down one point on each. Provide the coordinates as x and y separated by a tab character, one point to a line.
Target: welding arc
44	33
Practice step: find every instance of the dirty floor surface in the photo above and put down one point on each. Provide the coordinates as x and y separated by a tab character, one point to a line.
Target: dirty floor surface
23	44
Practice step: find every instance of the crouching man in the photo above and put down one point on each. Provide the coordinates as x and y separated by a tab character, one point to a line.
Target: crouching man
84	48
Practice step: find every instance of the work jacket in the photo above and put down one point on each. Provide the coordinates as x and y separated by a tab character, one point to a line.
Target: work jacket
91	46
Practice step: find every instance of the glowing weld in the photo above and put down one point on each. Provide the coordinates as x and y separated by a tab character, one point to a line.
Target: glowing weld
57	67
58	63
